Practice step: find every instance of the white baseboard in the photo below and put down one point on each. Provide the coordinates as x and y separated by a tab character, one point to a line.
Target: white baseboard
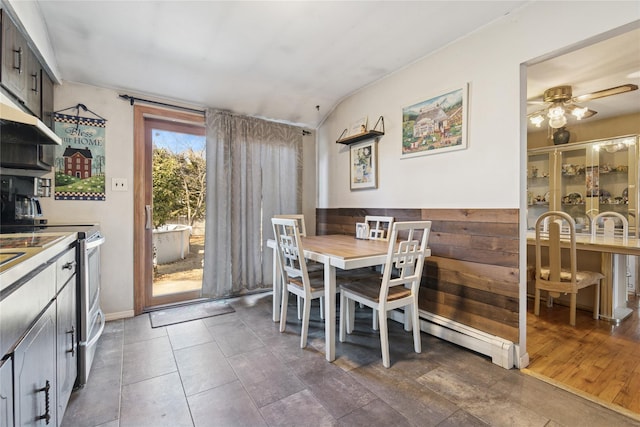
501	351
118	315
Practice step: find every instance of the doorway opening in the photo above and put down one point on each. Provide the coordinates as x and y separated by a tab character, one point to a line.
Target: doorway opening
596	358
169	169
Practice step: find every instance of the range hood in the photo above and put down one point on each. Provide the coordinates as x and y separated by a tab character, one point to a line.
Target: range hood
18	127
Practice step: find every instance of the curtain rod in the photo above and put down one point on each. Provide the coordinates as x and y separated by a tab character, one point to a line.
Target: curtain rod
133	99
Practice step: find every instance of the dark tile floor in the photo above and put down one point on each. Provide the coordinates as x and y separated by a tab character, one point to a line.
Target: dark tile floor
237	369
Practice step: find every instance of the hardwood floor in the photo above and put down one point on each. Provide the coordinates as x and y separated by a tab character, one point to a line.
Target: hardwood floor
596	358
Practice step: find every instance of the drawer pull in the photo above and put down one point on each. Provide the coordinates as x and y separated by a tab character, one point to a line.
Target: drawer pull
47	414
18	67
73	341
69	265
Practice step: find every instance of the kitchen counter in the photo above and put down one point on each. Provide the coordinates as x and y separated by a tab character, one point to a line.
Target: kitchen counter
21	253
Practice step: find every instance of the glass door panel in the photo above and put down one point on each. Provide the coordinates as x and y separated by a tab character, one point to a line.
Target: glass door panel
538	190
575	177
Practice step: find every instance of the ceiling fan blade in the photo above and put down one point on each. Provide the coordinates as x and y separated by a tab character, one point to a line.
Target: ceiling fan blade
606	92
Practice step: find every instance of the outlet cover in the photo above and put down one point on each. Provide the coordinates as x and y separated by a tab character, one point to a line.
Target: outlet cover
119	184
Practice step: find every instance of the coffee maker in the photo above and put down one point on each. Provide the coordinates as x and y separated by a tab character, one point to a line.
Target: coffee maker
19	202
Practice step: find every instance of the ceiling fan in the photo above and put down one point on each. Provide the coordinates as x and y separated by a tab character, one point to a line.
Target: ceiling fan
559	101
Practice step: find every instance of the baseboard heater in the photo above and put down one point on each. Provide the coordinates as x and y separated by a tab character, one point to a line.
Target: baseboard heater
501	351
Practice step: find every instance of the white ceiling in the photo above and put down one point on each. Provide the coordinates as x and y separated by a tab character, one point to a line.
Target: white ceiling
612	62
277	60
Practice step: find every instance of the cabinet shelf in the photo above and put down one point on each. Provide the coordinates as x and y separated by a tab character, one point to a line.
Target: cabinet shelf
370	134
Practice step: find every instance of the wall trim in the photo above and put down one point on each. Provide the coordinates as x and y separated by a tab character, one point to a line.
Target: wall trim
118	315
501	351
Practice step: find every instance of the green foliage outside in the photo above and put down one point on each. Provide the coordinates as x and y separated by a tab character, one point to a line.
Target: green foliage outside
66	183
179	186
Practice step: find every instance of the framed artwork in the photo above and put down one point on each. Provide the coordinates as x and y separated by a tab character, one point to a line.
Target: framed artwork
436	125
363	165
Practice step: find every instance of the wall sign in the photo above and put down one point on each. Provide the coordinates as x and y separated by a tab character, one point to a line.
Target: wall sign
80	160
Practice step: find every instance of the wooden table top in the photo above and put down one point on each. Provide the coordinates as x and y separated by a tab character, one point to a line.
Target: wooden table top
344	246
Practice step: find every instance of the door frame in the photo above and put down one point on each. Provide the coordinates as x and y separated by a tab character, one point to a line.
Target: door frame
142	197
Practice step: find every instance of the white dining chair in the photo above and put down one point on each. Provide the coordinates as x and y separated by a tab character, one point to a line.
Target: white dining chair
312	266
379	226
610	224
561	275
293	270
379	229
399	285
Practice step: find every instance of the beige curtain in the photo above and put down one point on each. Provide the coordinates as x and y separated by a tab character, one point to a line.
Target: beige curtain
254	170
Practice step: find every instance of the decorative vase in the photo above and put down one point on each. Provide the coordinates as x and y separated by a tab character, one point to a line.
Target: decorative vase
561	136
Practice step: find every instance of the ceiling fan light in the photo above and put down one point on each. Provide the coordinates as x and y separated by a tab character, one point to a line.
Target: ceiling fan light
579	112
557	122
555	112
536	120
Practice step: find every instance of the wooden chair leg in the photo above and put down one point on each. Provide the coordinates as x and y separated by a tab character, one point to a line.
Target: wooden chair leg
384	340
536	305
306	312
322	308
596	302
572	309
283	309
374	322
299	308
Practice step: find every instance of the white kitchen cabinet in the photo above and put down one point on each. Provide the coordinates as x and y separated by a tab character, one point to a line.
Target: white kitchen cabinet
35	373
67	344
6	392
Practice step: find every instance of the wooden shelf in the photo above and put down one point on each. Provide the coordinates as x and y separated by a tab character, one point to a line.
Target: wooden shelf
360	137
370	134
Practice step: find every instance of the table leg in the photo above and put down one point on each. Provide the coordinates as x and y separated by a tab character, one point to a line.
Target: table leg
277	288
330	311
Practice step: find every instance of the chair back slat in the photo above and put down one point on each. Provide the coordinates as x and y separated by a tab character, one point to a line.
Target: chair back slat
290	253
405	257
610	225
379	226
559	229
302	228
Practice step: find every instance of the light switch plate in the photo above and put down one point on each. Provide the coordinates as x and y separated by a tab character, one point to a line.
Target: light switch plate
119	184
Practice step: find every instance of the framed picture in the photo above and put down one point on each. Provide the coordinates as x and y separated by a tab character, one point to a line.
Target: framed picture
363	165
436	125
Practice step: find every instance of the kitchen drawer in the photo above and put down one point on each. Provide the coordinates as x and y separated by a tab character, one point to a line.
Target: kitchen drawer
65	268
22	302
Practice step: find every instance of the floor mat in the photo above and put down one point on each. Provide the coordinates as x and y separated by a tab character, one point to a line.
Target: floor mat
185	313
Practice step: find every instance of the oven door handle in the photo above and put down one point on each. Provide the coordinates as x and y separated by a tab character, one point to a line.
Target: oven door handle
95	243
96	337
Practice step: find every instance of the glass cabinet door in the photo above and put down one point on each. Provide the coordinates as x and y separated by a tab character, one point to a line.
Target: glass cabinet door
538	190
584	179
575	179
617	177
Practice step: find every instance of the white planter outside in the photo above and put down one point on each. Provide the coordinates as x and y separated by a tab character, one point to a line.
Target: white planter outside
171	243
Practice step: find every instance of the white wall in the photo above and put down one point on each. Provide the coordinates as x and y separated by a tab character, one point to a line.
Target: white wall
487	174
115	214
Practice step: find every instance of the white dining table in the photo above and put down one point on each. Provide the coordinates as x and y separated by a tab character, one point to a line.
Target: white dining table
335	251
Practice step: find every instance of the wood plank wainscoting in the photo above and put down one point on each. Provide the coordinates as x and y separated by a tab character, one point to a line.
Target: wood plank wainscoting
472	276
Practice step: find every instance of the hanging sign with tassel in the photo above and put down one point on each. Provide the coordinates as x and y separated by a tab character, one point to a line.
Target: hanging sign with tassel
80	160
